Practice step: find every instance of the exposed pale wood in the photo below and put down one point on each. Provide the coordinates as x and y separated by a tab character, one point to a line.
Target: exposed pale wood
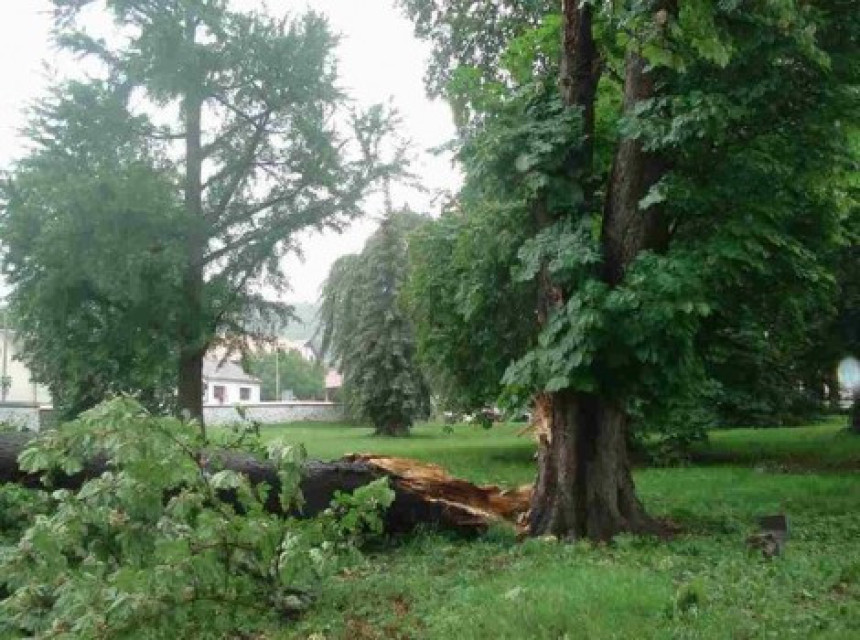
470	504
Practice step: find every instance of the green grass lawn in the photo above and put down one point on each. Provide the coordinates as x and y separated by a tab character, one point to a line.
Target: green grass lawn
704	583
496	455
823	446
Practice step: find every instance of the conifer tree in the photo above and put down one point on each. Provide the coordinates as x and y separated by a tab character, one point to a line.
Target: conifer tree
369	333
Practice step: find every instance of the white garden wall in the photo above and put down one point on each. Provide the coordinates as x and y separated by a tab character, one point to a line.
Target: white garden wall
25	416
34	417
275	413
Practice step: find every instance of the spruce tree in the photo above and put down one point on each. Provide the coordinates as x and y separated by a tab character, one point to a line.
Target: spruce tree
369	333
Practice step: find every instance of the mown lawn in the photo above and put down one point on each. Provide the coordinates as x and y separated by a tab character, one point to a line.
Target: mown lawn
705	583
824	446
497	455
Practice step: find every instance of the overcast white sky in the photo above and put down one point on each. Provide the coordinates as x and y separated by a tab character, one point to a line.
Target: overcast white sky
380	60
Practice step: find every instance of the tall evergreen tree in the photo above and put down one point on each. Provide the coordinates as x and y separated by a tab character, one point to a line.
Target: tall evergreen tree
369	333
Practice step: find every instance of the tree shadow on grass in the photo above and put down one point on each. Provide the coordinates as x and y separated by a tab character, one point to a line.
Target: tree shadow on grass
774	463
522	455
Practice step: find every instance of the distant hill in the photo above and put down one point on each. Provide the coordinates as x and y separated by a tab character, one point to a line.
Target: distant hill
305	328
300	330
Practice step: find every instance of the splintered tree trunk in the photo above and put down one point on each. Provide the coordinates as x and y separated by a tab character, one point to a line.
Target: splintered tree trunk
584	486
424	494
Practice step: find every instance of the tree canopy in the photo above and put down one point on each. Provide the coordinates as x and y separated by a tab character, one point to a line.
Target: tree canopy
657	230
251	141
673	174
287	371
91	230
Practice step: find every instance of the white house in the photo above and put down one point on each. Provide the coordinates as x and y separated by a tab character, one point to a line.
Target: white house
16	381
227	383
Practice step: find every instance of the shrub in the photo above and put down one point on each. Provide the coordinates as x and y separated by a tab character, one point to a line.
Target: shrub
148	550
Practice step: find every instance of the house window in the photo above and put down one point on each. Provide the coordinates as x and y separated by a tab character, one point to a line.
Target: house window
205	391
219	392
244	393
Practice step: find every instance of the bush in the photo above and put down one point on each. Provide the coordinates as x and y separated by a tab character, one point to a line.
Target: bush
148	550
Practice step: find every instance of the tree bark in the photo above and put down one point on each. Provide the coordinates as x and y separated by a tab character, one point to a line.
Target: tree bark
584	486
628	230
424	494
579	74
191	383
193	346
834	393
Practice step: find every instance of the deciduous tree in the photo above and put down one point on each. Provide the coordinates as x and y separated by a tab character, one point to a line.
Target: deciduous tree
259	143
707	180
287	370
91	232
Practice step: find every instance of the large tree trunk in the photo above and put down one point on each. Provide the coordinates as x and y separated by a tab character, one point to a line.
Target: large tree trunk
191	384
627	229
579	74
425	496
193	346
834	392
584	486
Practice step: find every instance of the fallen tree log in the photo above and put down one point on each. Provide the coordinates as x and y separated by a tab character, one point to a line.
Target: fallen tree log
425	495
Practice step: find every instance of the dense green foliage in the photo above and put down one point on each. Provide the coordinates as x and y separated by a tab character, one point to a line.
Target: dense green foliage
369	334
203	143
90	232
149	550
291	372
471	319
730	128
752	117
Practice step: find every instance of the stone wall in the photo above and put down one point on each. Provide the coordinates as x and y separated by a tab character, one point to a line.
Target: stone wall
275	413
20	416
34	417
